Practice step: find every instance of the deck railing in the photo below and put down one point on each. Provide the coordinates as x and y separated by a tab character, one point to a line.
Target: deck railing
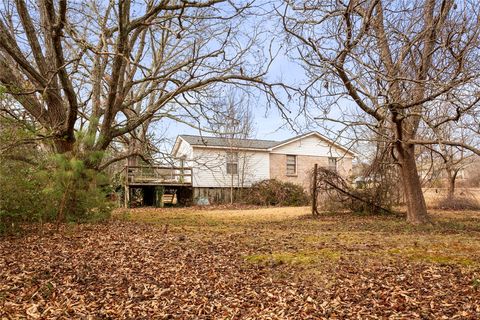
157	175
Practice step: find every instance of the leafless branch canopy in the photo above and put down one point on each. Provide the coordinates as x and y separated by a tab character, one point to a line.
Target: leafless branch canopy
391	67
109	67
400	62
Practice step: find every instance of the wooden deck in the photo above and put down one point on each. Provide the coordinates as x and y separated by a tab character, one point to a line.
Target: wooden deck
157	176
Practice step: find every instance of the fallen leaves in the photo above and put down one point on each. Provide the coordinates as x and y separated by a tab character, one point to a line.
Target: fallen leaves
133	270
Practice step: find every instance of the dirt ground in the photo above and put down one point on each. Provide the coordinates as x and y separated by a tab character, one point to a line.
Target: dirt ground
275	263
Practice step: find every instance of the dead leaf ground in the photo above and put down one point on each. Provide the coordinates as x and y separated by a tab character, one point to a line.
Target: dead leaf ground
275	263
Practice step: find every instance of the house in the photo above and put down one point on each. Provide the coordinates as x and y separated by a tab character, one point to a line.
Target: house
221	163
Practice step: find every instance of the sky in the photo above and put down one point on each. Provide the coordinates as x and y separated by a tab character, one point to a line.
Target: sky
268	122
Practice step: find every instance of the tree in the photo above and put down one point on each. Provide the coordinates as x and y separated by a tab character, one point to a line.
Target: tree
448	159
109	67
232	124
473	173
394	61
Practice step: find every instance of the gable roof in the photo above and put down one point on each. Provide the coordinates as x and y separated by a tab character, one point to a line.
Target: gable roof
230	143
257	144
314	133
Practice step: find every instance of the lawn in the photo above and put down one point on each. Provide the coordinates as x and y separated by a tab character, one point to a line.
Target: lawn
275	263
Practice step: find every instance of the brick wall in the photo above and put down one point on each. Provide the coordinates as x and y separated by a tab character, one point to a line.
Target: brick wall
305	164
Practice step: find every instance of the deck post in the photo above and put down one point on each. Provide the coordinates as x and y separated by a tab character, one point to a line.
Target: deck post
159	191
127	196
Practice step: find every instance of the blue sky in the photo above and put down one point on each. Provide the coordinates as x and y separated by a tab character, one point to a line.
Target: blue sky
268	122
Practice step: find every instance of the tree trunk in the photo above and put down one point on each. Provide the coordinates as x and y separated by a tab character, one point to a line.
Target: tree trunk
61	215
416	207
451	184
63	145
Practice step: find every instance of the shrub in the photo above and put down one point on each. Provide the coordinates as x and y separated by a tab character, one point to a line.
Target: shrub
36	187
458	203
273	192
21	198
334	194
63	190
76	190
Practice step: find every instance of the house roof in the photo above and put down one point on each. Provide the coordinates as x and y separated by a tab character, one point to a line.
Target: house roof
231	143
258	144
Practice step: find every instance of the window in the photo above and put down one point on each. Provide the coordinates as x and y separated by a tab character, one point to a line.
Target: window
291	165
232	162
332	164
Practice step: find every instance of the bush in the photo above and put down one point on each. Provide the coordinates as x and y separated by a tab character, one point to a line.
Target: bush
21	198
334	194
277	193
36	187
457	203
63	190
76	190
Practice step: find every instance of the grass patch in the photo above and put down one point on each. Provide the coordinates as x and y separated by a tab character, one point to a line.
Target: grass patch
178	219
476	283
123	214
291	236
294	258
281	258
419	254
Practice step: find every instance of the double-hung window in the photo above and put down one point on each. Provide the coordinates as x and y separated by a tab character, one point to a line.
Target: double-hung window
291	165
232	162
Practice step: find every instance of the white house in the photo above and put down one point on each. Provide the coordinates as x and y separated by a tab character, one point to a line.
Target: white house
220	163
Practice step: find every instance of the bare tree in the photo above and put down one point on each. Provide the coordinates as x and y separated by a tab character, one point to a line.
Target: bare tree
473	173
109	67
234	124
394	61
448	160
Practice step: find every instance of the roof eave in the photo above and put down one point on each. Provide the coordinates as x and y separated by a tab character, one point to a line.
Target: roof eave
229	148
347	151
178	141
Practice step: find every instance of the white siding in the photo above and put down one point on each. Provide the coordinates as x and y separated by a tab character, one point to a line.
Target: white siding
209	168
311	146
184	150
